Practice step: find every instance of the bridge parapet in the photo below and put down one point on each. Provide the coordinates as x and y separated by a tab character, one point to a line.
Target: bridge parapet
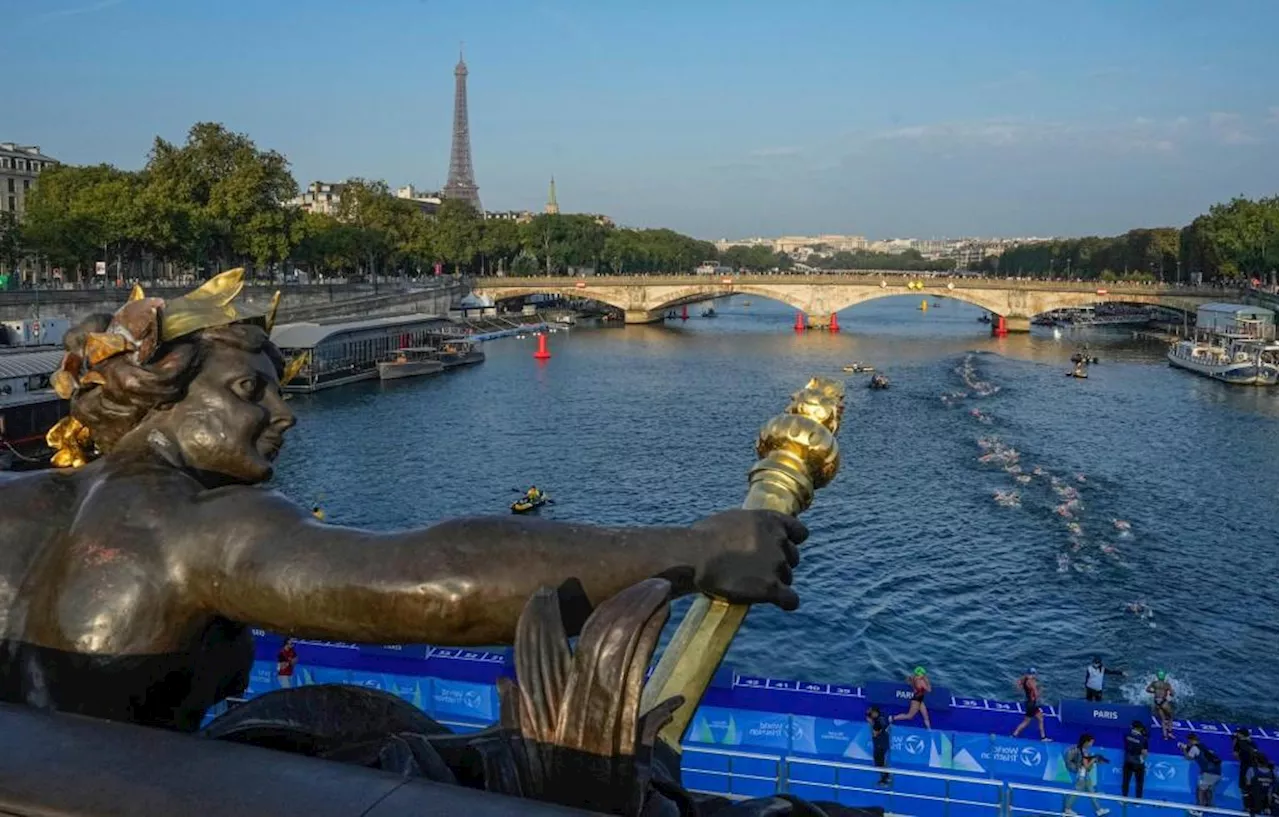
644	298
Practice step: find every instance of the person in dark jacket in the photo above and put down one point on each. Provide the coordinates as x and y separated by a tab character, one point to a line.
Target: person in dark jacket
1210	767
1246	753
1260	796
1135	759
879	741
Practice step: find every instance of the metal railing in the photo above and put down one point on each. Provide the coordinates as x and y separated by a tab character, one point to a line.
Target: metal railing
776	780
994	806
1148	808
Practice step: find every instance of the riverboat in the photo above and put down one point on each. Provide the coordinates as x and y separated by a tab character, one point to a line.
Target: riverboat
1241	360
454	353
346	351
28	406
413	361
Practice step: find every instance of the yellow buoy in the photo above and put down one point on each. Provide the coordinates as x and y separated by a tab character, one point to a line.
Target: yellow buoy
924	306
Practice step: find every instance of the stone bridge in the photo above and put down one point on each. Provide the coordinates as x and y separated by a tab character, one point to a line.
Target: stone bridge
645	299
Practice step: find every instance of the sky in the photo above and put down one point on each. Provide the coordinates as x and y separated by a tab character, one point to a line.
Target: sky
718	118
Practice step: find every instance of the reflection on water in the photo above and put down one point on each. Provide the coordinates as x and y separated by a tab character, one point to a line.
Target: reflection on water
919	552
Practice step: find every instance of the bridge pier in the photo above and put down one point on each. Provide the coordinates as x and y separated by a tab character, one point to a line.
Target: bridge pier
630	316
1013	323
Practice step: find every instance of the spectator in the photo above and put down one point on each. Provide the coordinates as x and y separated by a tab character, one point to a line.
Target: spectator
1210	767
879	741
1246	753
1135	759
1260	797
1084	767
286	661
1095	675
1031	688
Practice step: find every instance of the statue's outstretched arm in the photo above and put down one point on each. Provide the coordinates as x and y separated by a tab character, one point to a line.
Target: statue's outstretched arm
257	558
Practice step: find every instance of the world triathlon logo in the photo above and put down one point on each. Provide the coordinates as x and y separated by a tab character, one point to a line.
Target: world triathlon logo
914	744
1163	771
1030	756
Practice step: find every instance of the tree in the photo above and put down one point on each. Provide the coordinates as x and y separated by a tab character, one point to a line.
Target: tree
499	243
457	233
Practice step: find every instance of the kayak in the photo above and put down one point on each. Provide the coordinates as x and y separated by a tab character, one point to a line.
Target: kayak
524	505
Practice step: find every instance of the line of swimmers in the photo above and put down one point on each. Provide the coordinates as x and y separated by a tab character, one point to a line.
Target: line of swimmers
1160	689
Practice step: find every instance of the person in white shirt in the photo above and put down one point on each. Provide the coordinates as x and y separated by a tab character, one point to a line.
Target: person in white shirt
1095	677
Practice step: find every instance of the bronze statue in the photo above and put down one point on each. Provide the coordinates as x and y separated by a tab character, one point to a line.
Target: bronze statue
129	579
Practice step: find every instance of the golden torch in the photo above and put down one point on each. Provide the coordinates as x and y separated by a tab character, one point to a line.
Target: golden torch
798	454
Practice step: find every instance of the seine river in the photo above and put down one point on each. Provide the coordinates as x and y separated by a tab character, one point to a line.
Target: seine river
991	514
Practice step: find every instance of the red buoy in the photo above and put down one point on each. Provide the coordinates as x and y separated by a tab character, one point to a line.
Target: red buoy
800	325
542	353
999	328
834	325
684	313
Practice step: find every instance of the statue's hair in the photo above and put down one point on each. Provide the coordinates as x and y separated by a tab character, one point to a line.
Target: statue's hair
129	391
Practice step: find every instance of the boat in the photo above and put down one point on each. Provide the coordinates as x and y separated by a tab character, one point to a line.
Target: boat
454	353
708	313
746	303
1079	371
1242	360
412	361
526	505
984	318
856	368
878	381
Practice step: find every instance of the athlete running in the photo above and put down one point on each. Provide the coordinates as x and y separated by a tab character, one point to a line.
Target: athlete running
920	687
1162	702
1031	688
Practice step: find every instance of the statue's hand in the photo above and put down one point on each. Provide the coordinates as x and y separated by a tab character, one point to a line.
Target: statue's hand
749	556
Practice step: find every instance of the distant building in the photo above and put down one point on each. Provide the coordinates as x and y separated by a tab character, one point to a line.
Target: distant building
553	206
428	203
320	197
518	216
19	167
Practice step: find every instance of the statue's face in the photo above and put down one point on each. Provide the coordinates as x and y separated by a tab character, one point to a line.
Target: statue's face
232	422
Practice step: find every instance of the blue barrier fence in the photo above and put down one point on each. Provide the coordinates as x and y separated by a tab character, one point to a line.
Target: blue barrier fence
751	730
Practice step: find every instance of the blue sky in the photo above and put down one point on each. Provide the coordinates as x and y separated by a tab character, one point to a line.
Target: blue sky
716	118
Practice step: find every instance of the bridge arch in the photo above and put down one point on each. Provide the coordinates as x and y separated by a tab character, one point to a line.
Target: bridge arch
499	294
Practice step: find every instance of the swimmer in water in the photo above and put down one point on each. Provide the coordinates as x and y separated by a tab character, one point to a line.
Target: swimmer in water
1162	702
1031	708
920	686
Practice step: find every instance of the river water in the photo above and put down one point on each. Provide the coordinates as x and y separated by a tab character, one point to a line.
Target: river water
990	514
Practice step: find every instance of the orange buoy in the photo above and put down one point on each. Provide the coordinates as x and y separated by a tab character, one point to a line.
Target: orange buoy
834	325
800	325
542	353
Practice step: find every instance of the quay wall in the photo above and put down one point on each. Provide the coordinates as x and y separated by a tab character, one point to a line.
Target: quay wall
297	302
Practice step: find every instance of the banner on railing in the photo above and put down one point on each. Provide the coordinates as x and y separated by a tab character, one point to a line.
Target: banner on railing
740	727
908	747
887	693
462	700
1097	713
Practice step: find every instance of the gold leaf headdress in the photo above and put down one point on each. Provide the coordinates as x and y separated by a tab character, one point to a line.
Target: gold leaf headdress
138	329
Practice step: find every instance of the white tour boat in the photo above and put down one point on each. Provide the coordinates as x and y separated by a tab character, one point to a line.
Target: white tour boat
1241	359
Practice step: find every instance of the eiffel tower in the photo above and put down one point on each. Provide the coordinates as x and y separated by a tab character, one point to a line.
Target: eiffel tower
462	177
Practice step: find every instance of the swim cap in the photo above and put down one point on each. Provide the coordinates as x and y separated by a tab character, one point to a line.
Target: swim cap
1097	659
919	671
1160	674
1031	670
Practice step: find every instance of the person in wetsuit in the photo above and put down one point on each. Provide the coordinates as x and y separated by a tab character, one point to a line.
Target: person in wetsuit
879	741
1030	688
920	686
1162	702
1135	759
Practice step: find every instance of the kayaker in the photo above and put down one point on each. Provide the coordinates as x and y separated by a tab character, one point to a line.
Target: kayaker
533	494
1162	702
920	686
317	512
1031	688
